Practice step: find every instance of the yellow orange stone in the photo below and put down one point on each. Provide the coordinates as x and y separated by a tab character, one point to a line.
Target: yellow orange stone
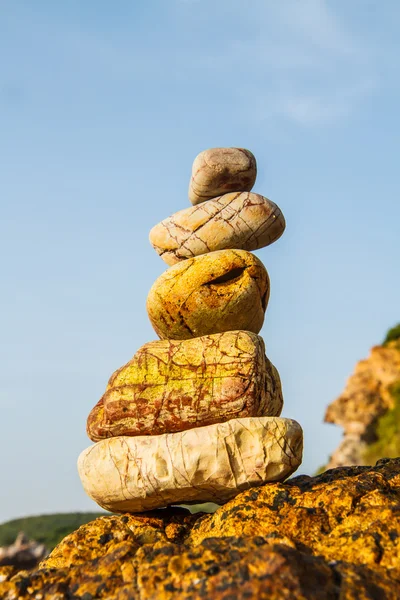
221	291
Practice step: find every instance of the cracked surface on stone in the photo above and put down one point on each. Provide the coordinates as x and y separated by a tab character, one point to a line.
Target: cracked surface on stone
237	220
173	385
331	537
220	170
205	464
221	291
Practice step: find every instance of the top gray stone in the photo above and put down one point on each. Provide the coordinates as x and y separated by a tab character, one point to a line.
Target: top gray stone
218	171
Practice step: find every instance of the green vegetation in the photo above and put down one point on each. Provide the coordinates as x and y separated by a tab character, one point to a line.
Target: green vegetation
46	529
320	470
388	432
392	334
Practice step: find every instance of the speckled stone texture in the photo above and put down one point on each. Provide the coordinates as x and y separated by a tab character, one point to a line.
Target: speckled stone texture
205	464
239	220
220	170
173	385
221	291
331	537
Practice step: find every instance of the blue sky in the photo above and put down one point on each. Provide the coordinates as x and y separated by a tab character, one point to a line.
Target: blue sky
103	108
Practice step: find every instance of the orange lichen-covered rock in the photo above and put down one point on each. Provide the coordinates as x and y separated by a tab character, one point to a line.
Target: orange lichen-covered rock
173	385
350	514
97	538
220	170
221	291
204	464
331	537
240	220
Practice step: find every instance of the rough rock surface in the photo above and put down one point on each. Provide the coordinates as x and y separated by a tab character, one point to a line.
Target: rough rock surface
173	385
366	398
239	220
220	170
221	291
205	464
331	537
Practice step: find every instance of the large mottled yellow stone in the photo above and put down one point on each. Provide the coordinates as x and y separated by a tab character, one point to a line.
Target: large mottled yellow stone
220	170
205	464
173	385
221	291
240	220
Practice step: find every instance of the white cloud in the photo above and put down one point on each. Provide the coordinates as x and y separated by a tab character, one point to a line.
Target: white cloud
310	110
301	63
296	60
317	24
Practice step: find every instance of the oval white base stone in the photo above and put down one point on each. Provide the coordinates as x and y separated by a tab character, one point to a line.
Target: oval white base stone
205	464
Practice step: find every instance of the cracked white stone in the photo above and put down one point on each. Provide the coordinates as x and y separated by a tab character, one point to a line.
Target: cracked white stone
204	464
239	220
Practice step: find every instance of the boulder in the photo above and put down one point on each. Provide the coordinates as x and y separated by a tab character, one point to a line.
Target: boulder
221	291
220	170
331	537
173	385
205	464
239	220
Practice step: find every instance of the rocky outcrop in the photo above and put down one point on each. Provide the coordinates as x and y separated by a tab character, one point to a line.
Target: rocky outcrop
331	537
367	399
22	554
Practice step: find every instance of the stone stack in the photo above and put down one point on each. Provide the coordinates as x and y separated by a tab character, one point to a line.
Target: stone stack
194	416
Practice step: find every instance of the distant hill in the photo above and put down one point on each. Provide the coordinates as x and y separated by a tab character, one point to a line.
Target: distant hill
46	529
